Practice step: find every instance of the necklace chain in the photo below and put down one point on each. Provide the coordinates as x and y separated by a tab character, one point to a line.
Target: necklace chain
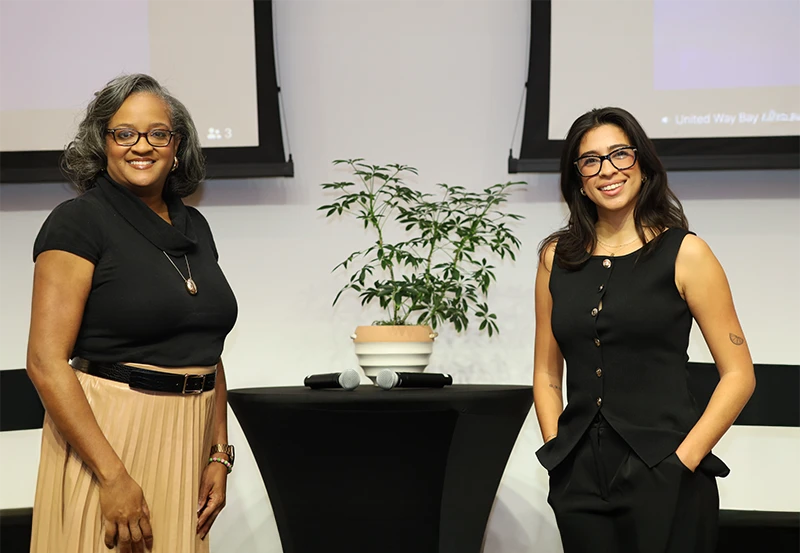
618	245
191	287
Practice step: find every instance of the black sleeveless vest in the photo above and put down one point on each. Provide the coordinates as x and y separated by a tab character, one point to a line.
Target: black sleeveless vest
626	360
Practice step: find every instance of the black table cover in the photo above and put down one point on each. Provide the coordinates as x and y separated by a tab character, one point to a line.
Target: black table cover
382	471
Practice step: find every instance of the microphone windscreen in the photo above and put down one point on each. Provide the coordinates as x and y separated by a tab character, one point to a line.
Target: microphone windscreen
386	379
349	379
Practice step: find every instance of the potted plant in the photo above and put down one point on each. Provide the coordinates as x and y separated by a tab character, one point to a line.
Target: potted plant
437	273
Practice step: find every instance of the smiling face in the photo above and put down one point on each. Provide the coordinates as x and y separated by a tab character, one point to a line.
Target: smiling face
141	167
611	189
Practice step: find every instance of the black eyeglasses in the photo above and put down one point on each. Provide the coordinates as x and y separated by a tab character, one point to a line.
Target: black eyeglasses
158	138
621	158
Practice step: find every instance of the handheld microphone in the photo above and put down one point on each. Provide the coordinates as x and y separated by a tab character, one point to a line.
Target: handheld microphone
388	379
349	380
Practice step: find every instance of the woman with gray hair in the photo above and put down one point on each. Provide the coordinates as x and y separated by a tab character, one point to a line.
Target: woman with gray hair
129	317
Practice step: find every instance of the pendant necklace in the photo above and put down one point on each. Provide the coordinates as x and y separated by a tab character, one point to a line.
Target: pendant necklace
191	287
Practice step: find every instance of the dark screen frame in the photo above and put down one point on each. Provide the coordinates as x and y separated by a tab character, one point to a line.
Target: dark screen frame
268	159
540	154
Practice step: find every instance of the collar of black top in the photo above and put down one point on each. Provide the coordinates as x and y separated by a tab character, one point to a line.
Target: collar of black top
176	239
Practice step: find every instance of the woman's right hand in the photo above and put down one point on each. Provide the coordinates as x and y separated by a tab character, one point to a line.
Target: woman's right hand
126	517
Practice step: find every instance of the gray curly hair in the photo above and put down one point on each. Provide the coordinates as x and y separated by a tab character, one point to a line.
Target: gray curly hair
85	156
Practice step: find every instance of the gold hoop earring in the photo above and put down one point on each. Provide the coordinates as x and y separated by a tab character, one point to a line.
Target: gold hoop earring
583	192
644	179
175	165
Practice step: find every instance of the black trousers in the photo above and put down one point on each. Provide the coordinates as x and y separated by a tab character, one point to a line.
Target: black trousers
607	500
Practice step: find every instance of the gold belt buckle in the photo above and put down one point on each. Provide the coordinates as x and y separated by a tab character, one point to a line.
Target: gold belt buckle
186	381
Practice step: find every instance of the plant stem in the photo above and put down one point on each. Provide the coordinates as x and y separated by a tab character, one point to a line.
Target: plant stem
372	218
431	250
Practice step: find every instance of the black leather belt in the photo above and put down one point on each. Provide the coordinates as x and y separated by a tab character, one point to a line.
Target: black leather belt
143	379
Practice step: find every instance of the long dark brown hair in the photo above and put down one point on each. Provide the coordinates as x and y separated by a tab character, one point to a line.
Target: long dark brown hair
657	208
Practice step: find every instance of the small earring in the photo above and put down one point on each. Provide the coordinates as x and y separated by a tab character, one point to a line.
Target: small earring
644	179
175	165
583	192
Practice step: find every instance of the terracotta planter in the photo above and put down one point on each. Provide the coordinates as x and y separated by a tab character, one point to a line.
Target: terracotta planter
398	348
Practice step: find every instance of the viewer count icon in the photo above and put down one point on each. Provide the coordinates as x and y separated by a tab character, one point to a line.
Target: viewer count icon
218	134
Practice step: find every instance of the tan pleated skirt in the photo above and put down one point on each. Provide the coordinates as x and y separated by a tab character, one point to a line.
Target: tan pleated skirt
163	440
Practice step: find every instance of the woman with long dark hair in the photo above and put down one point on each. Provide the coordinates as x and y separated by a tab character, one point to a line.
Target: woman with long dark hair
617	289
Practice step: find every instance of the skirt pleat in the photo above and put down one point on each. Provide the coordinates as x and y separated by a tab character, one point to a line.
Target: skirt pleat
162	439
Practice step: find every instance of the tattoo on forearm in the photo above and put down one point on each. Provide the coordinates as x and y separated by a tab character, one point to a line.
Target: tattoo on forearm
737	340
555	387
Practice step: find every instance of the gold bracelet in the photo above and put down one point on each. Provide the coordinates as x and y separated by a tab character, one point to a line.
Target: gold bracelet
227	449
550	437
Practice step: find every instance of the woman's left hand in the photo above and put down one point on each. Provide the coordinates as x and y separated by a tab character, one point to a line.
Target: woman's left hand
212	496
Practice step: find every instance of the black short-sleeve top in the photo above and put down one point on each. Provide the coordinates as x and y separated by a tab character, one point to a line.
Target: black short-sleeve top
139	309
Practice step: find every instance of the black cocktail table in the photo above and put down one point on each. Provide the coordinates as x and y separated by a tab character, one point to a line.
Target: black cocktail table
382	471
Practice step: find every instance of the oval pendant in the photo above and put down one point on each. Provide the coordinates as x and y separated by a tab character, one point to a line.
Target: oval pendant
191	287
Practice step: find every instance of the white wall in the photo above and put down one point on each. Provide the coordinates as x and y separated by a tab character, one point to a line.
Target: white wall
437	85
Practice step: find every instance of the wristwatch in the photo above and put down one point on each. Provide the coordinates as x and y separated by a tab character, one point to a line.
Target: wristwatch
227	449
